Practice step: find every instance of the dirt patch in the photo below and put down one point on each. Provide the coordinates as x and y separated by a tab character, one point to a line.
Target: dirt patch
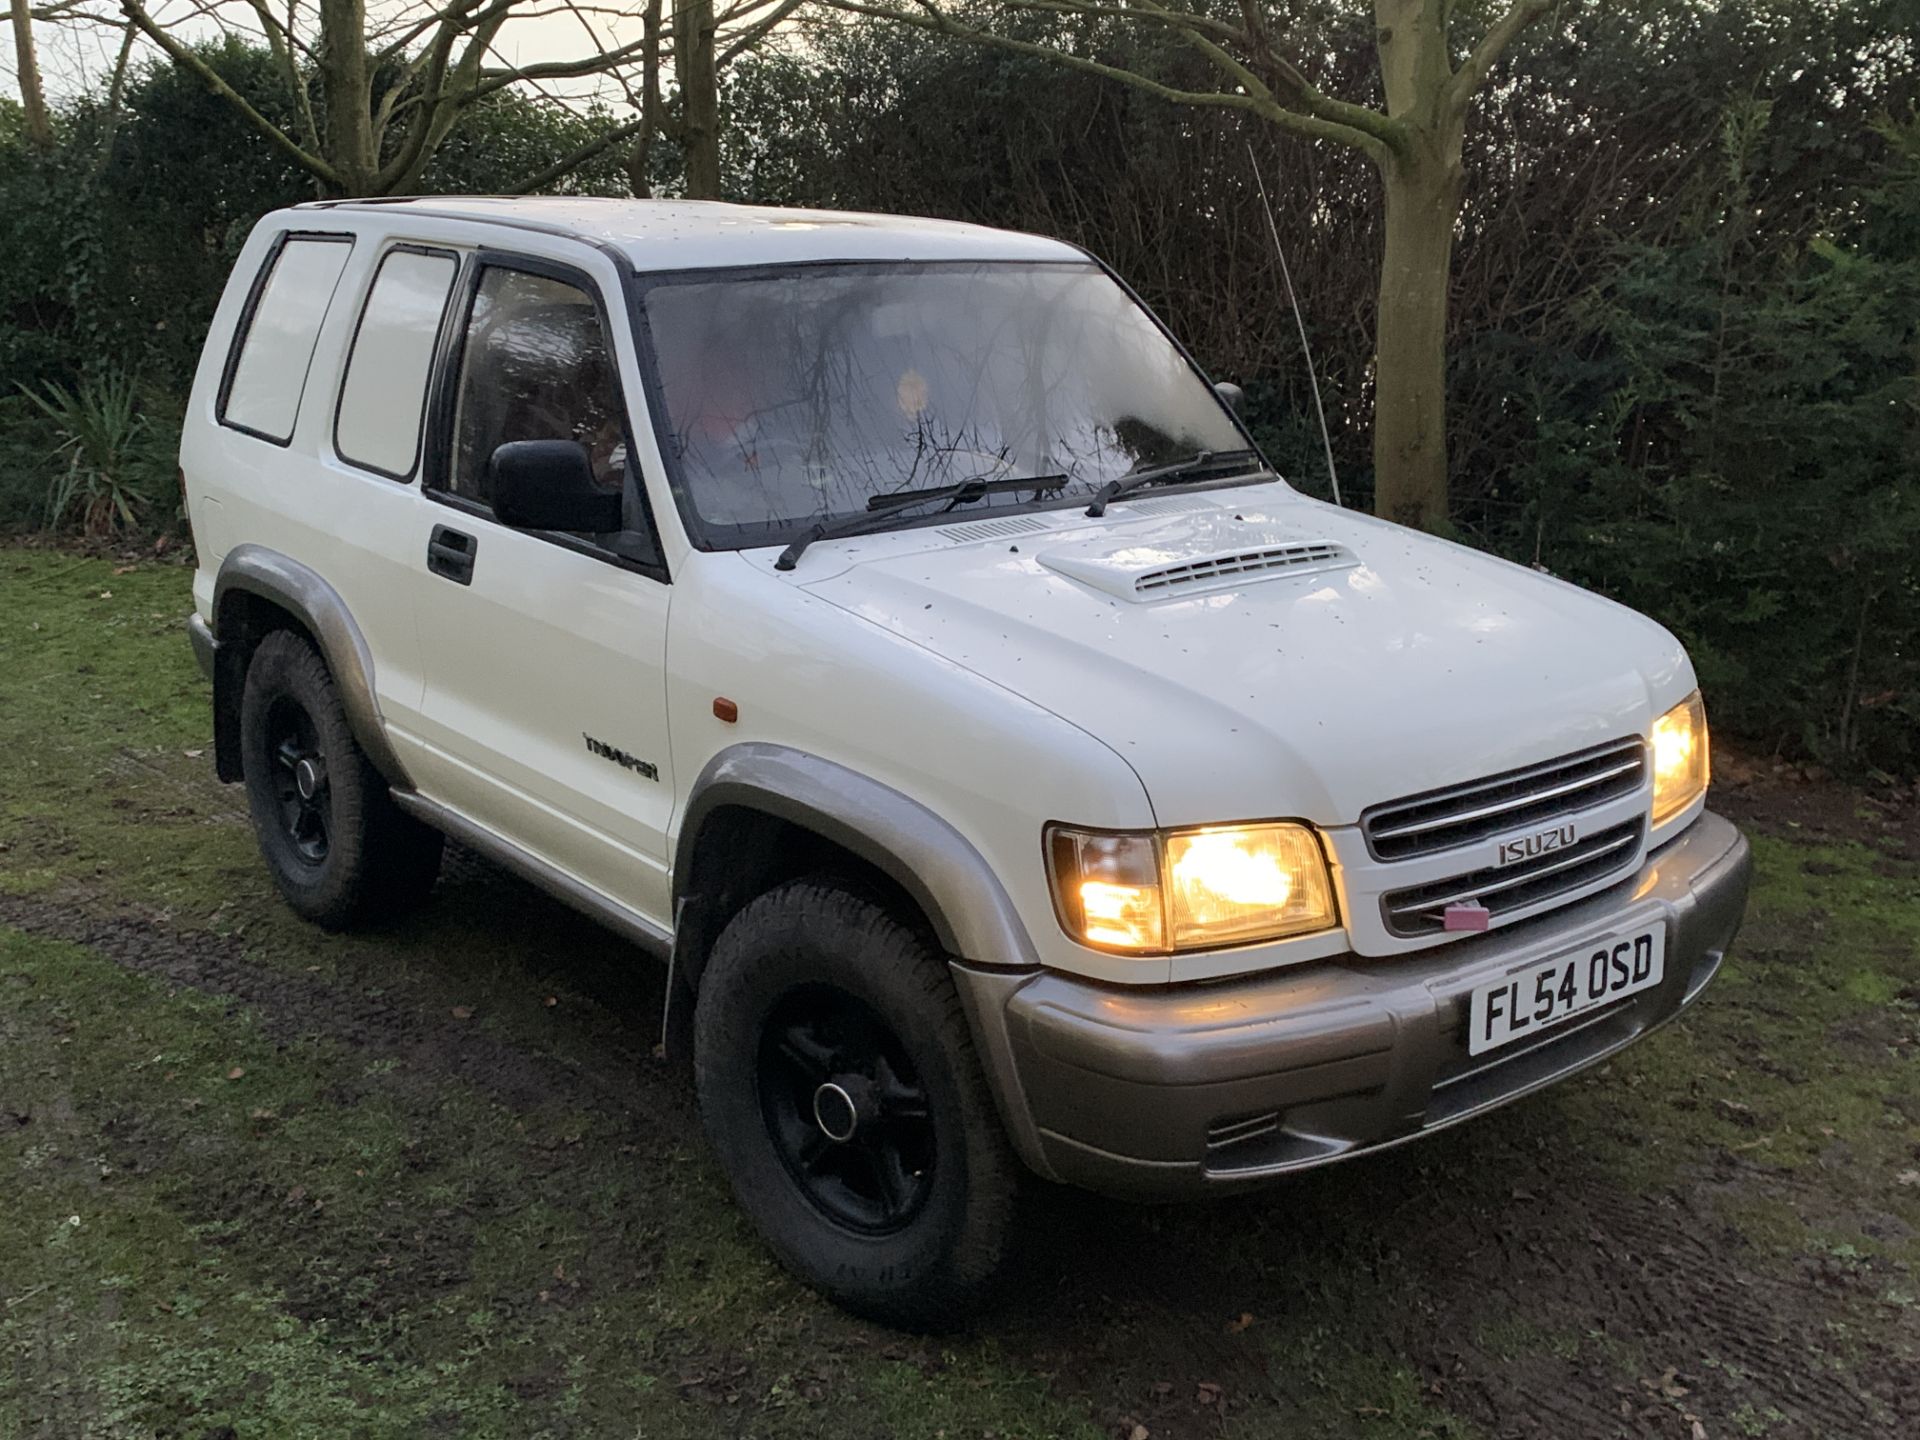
1635	1314
289	1007
1776	798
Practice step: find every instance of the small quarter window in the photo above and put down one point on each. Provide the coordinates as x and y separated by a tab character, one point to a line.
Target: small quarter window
274	349
385	390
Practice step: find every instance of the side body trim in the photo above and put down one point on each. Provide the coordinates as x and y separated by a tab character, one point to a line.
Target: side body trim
626	923
951	881
301	592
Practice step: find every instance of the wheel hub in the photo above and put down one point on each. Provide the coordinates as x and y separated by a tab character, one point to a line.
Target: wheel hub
308	777
299	780
837	1109
846	1110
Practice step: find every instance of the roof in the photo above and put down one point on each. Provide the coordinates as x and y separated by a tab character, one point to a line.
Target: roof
703	234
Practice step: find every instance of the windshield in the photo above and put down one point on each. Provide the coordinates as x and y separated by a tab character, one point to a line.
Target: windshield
794	397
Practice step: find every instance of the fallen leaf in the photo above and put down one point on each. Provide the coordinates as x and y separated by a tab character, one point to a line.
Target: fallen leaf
236	1072
1668	1384
1206	1392
1909	1178
1139	1432
195	754
106	594
551	1001
123	569
1240	1322
463	1012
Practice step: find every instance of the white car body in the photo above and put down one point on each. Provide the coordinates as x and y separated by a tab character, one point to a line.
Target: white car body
1237	652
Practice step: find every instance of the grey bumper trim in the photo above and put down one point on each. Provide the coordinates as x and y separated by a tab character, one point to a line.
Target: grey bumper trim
1193	1089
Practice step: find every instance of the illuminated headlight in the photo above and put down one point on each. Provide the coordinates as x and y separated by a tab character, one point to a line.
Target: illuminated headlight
1150	892
1679	758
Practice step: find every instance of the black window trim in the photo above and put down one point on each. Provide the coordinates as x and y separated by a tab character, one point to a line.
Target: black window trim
402	247
244	327
443	399
641	283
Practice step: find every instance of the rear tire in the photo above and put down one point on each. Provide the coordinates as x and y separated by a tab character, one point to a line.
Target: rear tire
840	1088
339	849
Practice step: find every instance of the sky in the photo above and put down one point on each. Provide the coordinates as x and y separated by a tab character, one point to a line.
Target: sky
74	55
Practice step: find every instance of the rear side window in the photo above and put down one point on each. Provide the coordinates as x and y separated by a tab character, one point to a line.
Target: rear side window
267	371
385	390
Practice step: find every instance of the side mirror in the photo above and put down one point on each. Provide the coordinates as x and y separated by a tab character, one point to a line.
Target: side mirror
1231	395
549	485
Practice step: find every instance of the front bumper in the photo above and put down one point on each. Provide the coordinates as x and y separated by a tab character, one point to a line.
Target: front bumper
1198	1089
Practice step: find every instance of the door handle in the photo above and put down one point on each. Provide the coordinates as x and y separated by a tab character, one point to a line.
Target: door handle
450	553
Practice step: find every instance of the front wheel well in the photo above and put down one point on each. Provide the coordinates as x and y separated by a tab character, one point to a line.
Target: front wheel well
741	853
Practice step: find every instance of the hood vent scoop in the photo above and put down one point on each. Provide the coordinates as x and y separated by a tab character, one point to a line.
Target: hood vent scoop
1266	563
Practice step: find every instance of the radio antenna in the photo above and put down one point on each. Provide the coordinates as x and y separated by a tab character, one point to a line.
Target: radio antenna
1313	375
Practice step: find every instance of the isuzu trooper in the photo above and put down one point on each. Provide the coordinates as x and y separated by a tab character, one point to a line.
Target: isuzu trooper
885	623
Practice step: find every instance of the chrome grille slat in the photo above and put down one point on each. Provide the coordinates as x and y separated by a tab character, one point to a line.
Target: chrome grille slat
1518	875
1421	909
1628	767
1480	809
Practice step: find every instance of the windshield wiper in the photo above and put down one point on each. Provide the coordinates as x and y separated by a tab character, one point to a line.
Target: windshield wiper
1187	469
882	508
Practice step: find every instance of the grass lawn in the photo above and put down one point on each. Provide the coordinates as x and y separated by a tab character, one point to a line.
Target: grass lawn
257	1181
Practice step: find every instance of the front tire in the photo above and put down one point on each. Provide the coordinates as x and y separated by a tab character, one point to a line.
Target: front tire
840	1088
339	850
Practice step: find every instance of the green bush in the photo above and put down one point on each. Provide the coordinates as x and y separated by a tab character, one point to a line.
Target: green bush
108	478
1738	452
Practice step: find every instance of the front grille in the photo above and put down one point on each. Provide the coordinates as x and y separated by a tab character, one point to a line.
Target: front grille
1462	814
1503	889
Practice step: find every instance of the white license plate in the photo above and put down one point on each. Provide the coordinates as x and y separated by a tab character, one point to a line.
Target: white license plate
1553	990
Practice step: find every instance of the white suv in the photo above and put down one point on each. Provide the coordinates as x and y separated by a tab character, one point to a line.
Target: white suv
884	622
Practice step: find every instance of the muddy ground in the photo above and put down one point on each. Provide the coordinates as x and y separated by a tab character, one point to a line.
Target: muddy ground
450	1190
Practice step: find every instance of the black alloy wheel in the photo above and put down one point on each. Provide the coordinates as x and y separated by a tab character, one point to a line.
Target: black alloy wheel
845	1111
339	849
839	1084
300	785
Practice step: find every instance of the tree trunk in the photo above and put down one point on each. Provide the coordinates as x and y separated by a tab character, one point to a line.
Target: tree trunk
1423	193
33	100
349	90
640	156
695	67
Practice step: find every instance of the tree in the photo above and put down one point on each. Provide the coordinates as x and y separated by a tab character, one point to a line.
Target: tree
1414	139
35	123
371	105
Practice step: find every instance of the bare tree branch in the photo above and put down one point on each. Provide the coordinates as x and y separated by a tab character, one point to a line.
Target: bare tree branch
186	59
1375	133
567	164
1502	33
